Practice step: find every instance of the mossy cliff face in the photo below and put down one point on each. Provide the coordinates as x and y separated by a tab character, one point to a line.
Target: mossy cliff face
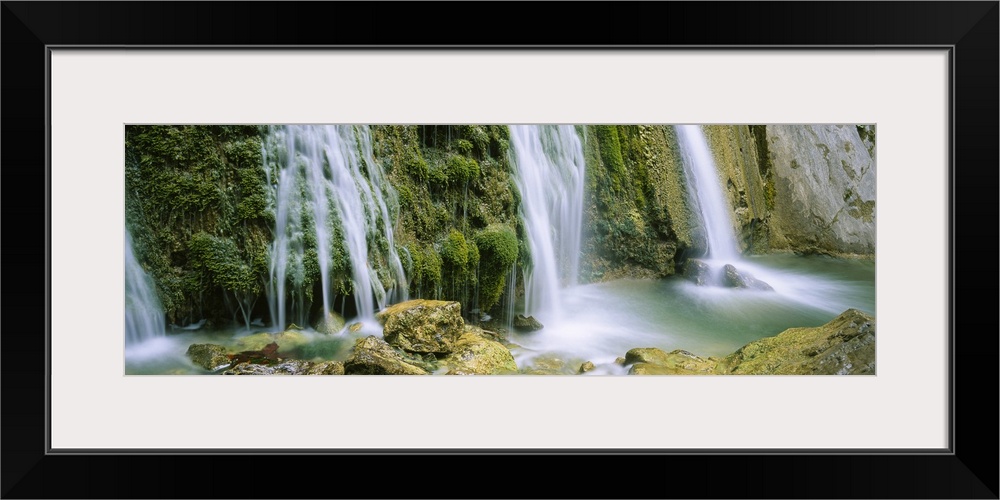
735	153
196	206
198	210
637	218
458	209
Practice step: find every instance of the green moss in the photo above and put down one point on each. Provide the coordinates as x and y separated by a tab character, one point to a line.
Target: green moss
455	255
183	180
611	155
498	250
463	146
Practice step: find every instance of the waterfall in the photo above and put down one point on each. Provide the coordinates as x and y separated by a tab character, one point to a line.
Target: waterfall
548	171
705	191
143	314
330	197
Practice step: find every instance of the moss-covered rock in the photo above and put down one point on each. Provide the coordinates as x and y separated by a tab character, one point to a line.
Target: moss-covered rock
653	361
196	206
498	250
422	326
586	366
208	356
844	346
474	354
329	325
373	356
526	323
636	213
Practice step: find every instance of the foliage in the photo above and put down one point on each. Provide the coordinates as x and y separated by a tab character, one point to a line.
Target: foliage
185	180
498	249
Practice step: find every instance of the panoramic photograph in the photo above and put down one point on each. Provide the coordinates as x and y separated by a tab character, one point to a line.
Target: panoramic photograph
553	249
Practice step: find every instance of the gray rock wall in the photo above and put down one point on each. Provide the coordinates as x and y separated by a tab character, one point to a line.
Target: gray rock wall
824	179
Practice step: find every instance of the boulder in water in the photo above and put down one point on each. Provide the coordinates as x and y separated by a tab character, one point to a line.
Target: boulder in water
475	354
329	325
586	366
844	346
526	323
285	340
423	326
653	361
209	356
697	272
735	278
373	356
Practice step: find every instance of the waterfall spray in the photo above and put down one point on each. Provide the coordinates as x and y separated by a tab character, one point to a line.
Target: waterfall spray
331	197
549	173
143	313
706	193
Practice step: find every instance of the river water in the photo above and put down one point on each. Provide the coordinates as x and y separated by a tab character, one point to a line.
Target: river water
601	321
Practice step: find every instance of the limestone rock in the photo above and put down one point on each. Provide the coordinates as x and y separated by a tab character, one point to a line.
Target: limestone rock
526	323
653	361
286	340
698	272
844	346
208	356
824	199
738	279
329	325
423	326
373	356
475	354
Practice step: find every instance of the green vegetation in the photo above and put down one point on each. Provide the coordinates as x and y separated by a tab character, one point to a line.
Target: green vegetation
498	249
199	206
186	180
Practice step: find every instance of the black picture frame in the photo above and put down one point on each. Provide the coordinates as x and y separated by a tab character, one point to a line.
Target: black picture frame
969	29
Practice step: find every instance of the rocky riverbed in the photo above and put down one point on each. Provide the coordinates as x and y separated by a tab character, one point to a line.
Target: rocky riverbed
424	337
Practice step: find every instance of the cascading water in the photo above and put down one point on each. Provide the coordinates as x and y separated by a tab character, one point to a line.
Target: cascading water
330	197
549	173
143	314
706	192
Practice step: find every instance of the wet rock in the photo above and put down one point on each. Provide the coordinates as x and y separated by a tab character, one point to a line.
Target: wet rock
652	369
326	368
653	361
208	356
289	367
373	356
737	279
844	346
423	326
354	327
286	340
620	360
266	356
526	323
697	272
329	325
475	354
586	367
551	364
646	355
